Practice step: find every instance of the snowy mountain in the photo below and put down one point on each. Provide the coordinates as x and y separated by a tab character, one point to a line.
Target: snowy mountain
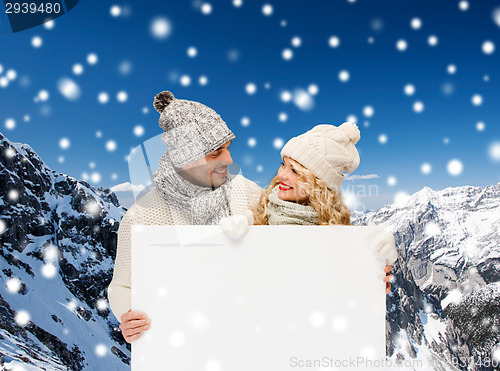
445	306
58	239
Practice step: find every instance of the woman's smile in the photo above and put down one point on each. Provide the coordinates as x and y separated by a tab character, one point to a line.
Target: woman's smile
284	187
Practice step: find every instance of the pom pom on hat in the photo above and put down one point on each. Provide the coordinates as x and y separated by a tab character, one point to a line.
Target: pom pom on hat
191	129
162	100
351	131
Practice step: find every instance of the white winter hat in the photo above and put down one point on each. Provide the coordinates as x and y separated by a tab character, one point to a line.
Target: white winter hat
327	151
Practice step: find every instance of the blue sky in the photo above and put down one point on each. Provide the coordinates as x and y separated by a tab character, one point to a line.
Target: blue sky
444	49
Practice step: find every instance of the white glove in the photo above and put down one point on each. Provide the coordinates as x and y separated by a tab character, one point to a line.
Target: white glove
236	226
385	246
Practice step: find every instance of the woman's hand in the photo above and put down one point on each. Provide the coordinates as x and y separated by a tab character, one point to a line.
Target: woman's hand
133	324
388	278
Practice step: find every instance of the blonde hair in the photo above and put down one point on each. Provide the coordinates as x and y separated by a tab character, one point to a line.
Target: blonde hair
328	203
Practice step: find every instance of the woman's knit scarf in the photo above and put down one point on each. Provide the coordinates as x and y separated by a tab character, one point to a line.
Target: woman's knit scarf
282	212
206	205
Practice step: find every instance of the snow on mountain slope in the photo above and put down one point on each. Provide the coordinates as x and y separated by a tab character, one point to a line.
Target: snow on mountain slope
58	246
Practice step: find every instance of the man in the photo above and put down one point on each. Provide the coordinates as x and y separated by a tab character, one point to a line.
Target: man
192	187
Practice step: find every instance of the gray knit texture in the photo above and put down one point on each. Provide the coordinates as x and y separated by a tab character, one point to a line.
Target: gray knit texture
191	129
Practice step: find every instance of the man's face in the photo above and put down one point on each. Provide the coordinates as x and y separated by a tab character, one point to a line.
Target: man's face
211	170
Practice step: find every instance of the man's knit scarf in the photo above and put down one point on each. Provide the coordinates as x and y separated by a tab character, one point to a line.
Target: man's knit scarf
206	205
282	212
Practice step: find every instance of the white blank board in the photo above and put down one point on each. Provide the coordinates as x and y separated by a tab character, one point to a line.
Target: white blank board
276	299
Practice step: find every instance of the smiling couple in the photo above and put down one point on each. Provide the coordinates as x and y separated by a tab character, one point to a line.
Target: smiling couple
193	186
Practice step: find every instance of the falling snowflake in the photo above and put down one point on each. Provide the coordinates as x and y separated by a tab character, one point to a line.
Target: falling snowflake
92	58
251	88
10	124
245	121
480	126
49	25
317	319
36	41
124	68
426	168
287	54
454	167
101	350
13	284
477	100
334	42
416	23
278	143
339	324
296	41
401	197
282	116
494	151
122	96
432	40
452	69
352	119
138	130
77	69
368	111
382	138
51	253
203	80
160	28
286	96
213	365
11	75
115	11
198	320
69	89
252	142
344	76
463	5
64	143
303	100
496	16
102	304
43	95
9	153
391	181
267	10
177	339
488	47
418	107
313	89
185	80
432	229
49	270
22	318
401	45
103	97
192	52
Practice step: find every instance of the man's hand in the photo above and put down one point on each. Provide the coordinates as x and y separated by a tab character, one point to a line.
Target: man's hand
133	324
388	278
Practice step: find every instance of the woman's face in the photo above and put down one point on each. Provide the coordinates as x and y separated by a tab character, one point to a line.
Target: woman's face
288	188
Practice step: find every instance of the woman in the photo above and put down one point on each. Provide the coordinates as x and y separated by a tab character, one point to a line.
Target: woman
306	190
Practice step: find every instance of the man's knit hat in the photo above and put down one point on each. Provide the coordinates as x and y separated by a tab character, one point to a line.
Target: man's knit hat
327	151
191	129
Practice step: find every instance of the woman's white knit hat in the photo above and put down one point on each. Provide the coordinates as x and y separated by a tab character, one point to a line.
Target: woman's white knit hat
327	151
